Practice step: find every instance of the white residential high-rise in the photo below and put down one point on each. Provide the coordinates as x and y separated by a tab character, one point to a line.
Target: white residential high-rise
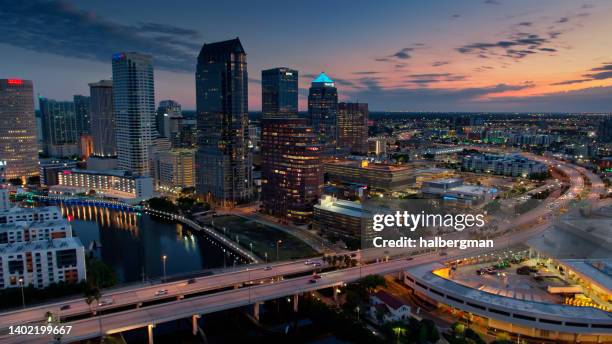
134	102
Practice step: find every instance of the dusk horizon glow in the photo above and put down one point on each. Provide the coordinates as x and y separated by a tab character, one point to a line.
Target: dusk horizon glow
481	56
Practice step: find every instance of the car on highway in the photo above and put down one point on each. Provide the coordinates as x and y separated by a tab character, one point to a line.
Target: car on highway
65	307
315	278
191	281
105	302
268	268
409	258
161	292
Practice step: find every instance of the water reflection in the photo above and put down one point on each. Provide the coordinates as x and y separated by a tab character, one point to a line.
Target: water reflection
133	244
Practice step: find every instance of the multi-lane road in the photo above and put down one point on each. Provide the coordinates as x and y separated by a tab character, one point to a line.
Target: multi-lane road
128	299
132	296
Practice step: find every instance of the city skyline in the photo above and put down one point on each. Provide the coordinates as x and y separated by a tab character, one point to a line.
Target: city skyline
472	56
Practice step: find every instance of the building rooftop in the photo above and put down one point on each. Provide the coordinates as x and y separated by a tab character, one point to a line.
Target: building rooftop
424	273
471	189
323	78
55	244
19	224
369	166
21	210
343	207
597	270
116	173
445	181
389	299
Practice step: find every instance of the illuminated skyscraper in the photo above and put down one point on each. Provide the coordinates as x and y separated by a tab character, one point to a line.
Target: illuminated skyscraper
323	112
292	175
134	102
18	147
279	92
103	118
223	159
59	128
353	128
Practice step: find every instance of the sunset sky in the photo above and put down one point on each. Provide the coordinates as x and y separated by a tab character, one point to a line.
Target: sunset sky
487	55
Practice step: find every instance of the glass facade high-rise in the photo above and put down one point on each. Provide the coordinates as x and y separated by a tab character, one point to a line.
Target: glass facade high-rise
279	92
18	146
83	116
103	118
134	102
353	128
169	121
59	128
323	112
224	159
292	175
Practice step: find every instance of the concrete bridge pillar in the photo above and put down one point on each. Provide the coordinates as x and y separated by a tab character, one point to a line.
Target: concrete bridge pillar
296	298
150	333
194	324
256	310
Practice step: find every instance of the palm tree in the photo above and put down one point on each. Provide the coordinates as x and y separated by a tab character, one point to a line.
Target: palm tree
92	294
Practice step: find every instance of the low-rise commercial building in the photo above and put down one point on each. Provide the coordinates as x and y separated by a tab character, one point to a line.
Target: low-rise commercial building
49	169
507	165
342	218
521	316
385	177
453	190
113	184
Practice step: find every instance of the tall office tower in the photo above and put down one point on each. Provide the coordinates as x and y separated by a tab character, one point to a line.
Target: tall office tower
223	159
169	121
292	175
59	128
102	118
83	116
604	131
279	92
18	147
134	102
353	128
323	111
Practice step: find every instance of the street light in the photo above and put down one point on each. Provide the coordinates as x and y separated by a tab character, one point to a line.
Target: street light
278	243
266	254
22	294
251	245
164	258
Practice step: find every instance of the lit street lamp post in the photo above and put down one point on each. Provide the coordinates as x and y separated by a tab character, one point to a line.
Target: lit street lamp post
164	258
251	245
22	293
266	255
278	243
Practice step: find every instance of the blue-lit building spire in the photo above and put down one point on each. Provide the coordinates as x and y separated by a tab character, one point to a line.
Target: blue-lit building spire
323	78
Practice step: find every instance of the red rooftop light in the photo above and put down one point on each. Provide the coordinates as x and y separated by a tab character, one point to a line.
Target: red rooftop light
15	81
